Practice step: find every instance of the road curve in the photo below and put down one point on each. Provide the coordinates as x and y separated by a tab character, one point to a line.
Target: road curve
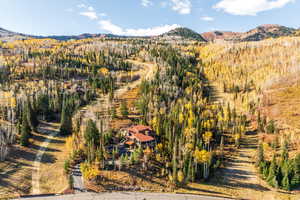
50	134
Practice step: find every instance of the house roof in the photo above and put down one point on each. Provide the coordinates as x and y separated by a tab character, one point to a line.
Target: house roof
129	142
143	138
139	128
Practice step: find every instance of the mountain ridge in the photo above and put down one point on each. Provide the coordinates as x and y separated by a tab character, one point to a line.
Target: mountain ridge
258	33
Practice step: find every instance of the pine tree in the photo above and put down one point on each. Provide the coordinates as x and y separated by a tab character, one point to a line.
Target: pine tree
265	170
285	183
25	130
66	120
31	116
124	109
272	177
113	112
260	154
92	135
271	127
296	169
174	161
284	153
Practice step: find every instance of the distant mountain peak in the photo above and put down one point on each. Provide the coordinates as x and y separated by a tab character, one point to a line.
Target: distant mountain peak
184	33
269	25
261	32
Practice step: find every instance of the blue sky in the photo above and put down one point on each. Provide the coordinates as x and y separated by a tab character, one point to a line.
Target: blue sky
143	17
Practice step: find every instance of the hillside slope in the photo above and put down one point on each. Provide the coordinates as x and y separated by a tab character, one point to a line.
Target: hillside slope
6	35
257	34
183	33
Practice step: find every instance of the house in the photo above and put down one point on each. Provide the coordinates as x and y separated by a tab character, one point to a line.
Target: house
146	130
141	136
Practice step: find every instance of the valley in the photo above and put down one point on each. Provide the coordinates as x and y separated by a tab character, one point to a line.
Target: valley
181	113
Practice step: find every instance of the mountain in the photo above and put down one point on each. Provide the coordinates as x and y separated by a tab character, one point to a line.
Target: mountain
81	36
6	35
184	33
267	31
259	33
179	34
220	35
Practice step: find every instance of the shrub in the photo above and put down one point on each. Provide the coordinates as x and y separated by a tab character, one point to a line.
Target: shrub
271	127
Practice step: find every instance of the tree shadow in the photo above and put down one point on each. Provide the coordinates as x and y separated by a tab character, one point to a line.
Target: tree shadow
17	153
48	159
210	193
46	149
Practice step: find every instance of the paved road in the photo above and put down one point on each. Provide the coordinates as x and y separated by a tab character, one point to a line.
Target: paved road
77	179
127	196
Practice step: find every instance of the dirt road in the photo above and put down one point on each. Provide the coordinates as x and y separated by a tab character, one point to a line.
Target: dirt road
51	132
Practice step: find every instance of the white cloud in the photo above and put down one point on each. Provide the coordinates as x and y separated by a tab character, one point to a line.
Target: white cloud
249	7
90	8
90	14
81	5
117	30
110	27
146	3
207	18
182	6
89	11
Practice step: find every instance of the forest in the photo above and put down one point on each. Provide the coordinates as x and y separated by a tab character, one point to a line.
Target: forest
201	104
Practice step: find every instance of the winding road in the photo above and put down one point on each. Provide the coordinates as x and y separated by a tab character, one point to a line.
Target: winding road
50	133
101	106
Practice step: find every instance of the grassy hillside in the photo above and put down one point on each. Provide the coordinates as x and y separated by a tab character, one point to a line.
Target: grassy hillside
260	77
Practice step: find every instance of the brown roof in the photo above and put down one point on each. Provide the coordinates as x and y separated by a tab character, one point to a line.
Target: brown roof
139	128
143	138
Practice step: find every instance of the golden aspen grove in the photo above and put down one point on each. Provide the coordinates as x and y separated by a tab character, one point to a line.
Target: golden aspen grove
175	113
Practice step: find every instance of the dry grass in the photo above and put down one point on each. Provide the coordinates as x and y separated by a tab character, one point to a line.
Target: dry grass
16	171
217	190
53	179
131	179
284	105
130	98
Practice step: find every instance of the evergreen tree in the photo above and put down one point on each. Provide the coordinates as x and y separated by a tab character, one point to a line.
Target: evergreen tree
31	116
296	169
260	154
272	177
264	169
284	153
124	109
66	120
174	162
25	130
113	112
285	183
271	127
92	135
